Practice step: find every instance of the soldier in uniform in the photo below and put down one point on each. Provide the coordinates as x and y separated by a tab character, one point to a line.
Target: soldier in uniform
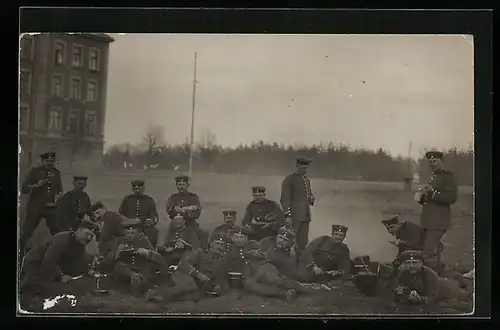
408	234
327	257
201	271
242	253
73	205
226	228
58	260
178	241
436	199
278	273
296	201
187	203
141	206
44	186
263	217
134	259
419	284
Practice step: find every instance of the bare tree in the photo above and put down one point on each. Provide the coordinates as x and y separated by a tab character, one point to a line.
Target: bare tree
153	140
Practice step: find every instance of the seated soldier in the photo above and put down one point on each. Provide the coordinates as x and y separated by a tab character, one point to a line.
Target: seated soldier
263	217
178	241
327	257
58	260
199	272
140	206
134	259
226	227
277	274
419	284
408	234
242	254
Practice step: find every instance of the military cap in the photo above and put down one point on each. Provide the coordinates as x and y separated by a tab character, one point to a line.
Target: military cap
237	230
286	232
434	154
172	214
339	228
303	160
95	207
48	156
229	212
391	221
258	189
137	183
409	255
87	223
182	178
80	177
130	224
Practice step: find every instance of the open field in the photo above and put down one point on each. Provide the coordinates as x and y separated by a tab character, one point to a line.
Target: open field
359	205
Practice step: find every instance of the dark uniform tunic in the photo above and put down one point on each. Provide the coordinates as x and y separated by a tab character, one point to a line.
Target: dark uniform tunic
188	199
296	201
327	255
436	213
46	263
241	261
410	236
71	208
224	231
188	235
111	229
41	202
258	211
141	207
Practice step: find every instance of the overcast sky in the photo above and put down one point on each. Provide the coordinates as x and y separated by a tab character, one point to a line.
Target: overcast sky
364	90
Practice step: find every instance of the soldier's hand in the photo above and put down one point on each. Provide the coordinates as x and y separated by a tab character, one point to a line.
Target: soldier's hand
65	278
178	209
202	277
143	252
160	248
169	249
334	272
41	183
317	271
312	200
179	245
397	241
399	290
288	221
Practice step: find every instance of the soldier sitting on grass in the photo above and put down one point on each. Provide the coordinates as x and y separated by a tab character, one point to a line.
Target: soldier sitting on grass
133	259
226	227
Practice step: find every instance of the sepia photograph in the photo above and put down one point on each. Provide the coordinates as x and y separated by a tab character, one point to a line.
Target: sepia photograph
246	174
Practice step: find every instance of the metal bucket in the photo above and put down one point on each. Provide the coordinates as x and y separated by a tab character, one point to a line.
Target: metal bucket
235	280
367	283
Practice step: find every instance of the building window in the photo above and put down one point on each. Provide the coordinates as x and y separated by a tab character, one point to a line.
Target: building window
57	86
75	88
92	91
94	59
90	123
55	120
24	117
73	121
27	47
25	83
59	52
77	56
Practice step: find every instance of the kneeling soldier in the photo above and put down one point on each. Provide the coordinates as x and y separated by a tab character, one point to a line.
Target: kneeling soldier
408	234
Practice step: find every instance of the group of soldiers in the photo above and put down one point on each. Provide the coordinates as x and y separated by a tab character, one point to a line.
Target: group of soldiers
268	255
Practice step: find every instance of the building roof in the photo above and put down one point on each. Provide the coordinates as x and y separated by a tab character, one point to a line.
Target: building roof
98	36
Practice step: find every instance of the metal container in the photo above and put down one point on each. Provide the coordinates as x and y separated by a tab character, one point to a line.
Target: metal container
235	280
418	195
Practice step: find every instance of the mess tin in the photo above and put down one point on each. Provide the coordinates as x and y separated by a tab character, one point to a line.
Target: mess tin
235	280
367	282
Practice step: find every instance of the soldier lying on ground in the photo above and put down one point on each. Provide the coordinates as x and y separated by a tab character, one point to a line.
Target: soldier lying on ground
58	260
418	284
263	217
224	229
142	207
327	257
133	259
200	272
178	241
277	274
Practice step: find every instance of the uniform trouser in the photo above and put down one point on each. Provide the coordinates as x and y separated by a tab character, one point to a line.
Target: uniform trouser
151	234
32	220
301	235
123	272
267	281
432	248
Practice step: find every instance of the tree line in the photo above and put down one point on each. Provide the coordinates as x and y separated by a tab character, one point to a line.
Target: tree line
329	160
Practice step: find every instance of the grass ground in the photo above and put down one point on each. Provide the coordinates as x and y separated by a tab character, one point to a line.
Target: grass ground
359	205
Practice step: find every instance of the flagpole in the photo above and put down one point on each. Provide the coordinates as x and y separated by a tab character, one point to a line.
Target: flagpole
192	119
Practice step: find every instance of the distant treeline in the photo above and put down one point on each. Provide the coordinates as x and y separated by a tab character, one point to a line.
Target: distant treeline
330	161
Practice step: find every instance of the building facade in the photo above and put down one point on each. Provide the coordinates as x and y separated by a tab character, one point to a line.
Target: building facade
62	87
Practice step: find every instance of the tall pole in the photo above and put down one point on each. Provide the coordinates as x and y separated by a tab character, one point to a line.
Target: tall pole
409	159
192	120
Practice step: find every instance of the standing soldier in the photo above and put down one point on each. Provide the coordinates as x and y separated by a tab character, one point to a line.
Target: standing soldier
226	228
327	257
436	199
296	201
187	203
408	234
44	186
141	206
73	205
263	217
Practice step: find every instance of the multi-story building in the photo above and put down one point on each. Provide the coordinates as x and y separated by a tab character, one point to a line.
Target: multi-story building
62	86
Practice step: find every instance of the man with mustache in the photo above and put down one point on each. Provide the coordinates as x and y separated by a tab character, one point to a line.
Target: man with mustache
142	207
226	228
73	205
43	185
